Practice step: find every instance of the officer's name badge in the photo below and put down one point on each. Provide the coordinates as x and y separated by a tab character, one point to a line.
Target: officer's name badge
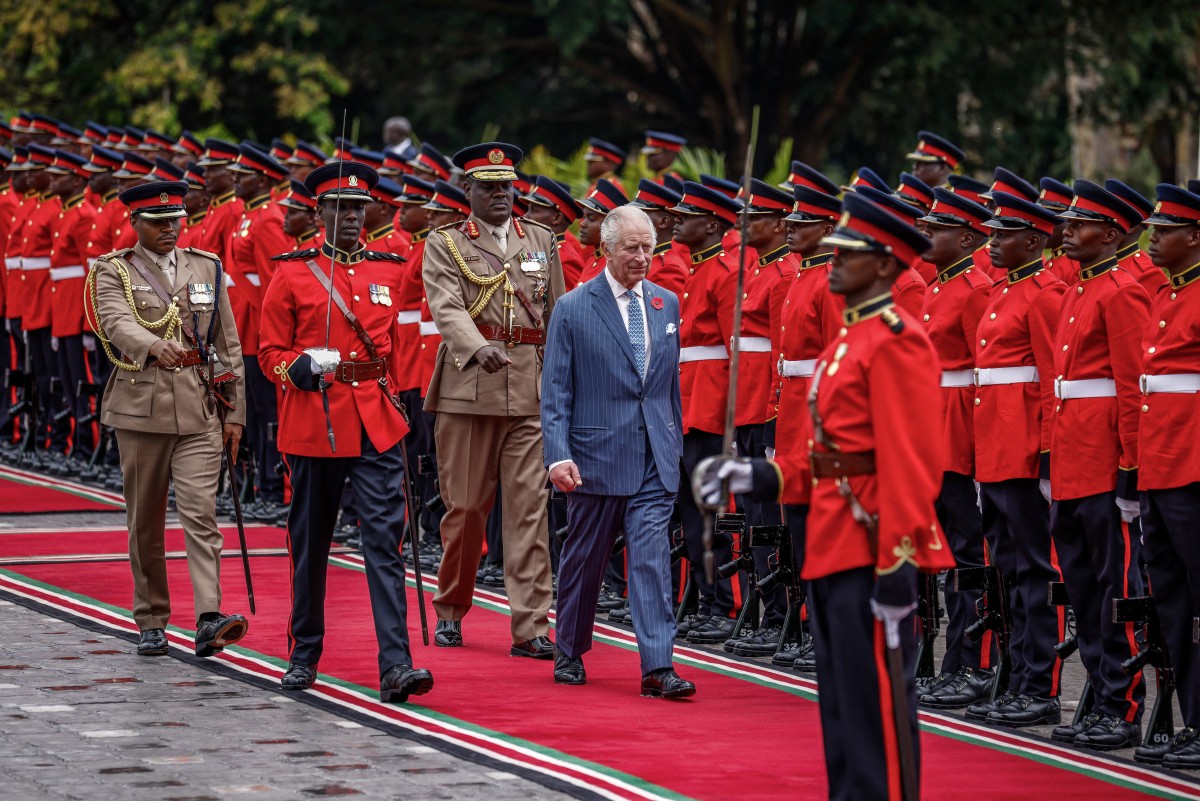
534	262
201	293
139	288
381	295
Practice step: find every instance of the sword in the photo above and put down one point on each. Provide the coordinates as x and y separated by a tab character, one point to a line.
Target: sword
411	526
323	384
734	357
237	517
897	678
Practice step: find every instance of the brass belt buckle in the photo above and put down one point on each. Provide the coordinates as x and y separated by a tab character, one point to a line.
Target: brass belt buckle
514	336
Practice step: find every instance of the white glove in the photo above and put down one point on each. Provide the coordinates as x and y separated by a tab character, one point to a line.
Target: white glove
1044	486
325	360
89	343
715	471
891	616
978	497
54	344
1130	510
770	454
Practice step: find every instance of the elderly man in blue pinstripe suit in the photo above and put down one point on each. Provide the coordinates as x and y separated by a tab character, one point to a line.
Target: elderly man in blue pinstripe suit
613	436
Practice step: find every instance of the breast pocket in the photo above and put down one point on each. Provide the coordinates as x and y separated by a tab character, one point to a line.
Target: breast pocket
147	304
137	396
458	384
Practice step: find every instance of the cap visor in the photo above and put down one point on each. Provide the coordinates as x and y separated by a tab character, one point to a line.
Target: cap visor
163	214
1168	222
924	158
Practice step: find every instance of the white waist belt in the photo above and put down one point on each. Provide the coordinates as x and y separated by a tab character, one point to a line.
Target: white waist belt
62	273
228	280
1180	383
958	378
252	278
702	353
408	317
1086	388
429	328
987	376
754	345
802	368
35	263
13	263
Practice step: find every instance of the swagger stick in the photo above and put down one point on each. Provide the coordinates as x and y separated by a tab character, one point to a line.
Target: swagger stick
734	356
337	208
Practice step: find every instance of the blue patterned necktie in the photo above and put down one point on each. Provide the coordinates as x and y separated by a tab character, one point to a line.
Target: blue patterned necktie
637	333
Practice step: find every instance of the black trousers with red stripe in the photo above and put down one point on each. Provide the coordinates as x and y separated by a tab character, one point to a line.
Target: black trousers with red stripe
1172	552
857	722
1016	522
959	516
1099	562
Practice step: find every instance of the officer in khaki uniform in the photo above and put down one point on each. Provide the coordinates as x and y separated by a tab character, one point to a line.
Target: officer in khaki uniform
491	282
164	400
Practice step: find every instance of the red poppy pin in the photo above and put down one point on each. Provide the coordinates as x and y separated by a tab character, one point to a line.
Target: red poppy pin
656	302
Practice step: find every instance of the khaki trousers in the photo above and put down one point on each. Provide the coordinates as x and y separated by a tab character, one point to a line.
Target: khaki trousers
148	462
474	453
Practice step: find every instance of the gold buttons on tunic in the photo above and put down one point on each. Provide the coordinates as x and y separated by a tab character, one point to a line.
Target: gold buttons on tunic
926	318
1151	350
1162	323
356	298
977	401
993	316
1145	408
353	354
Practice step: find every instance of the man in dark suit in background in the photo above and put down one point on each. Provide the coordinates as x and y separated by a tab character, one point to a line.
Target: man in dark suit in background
612	430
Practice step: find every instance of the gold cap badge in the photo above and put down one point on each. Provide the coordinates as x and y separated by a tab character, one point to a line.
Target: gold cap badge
496	155
164	198
353	180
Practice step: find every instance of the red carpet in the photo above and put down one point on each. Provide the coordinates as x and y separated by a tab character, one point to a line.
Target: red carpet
28	493
744	717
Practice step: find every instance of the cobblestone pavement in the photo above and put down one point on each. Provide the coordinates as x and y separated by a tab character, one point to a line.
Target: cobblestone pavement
83	717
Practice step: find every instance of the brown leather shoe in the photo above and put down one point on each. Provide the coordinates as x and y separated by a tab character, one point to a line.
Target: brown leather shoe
537	648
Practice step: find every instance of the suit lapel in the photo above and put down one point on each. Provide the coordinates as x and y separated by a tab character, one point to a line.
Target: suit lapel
606	307
656	326
183	271
486	242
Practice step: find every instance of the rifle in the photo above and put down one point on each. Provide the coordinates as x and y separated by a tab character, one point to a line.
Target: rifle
744	561
994	614
1056	595
929	607
1143	612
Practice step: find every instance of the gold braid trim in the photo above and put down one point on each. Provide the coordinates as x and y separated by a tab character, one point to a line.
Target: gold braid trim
170	322
489	285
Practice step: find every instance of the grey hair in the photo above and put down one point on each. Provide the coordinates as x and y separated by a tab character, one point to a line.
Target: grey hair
620	218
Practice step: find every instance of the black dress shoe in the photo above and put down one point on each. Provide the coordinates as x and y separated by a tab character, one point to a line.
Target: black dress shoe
1110	733
537	648
622	614
689	623
401	681
1027	710
1067	733
1153	754
568	670
716	630
1185	750
967	686
298	677
448	634
785	657
762	642
665	683
806	660
215	630
153	642
981	710
609	600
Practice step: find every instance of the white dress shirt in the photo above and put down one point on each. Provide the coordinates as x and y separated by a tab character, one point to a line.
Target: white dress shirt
623	306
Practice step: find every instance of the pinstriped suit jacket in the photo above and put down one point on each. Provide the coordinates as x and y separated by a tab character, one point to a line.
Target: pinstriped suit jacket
596	410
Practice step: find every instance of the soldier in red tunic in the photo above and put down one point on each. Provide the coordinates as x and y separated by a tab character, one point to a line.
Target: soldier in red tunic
356	435
550	203
603	198
1169	478
1130	256
1056	196
1014	403
668	268
935	158
1094	461
875	467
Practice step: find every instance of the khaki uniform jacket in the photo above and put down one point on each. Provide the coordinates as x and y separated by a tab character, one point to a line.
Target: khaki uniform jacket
151	399
459	385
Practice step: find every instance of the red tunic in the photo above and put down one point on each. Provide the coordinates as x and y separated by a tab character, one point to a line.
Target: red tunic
1135	261
809	319
68	270
406	300
191	233
706	321
909	292
1063	268
1012	421
951	313
14	297
570	253
293	319
756	367
1099	336
593	265
99	241
668	269
868	366
258	236
36	242
1169	424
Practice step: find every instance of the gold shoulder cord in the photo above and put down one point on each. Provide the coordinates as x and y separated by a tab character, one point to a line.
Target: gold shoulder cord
489	285
170	321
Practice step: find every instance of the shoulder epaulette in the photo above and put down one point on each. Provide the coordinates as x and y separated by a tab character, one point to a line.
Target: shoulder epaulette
307	253
528	222
892	320
383	255
447	226
204	253
121	252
